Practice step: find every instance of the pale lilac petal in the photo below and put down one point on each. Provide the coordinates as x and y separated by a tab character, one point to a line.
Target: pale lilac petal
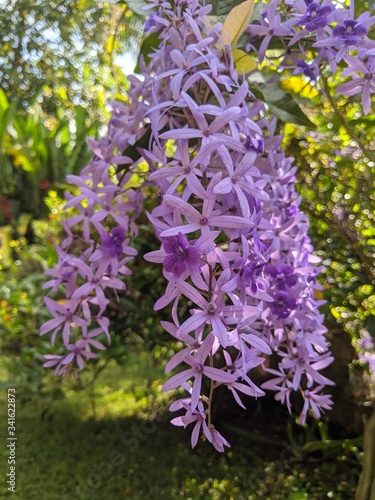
192	323
219	329
219	375
196	392
178	379
184	133
191	293
257	342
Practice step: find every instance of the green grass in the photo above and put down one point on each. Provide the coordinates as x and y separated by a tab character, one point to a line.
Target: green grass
114	441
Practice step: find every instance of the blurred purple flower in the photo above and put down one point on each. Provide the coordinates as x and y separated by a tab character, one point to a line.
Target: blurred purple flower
364	85
113	243
309	70
283	304
283	276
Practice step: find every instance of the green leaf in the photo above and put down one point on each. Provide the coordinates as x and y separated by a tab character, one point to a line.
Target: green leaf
256	12
283	105
223	7
149	45
135	5
331	445
243	62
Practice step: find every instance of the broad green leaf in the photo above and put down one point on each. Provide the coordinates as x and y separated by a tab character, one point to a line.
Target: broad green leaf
297	85
236	22
256	12
243	62
283	105
149	45
223	7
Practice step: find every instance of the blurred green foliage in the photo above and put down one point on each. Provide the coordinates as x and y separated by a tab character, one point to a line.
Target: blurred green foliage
82	432
60	57
60	53
37	151
336	179
22	310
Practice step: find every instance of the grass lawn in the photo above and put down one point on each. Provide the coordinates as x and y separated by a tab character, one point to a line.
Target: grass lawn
114	441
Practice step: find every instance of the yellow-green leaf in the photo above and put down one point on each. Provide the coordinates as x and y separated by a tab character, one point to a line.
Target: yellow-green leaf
297	85
111	42
243	62
236	22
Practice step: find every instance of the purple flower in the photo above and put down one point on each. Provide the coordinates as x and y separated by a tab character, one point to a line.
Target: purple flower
309	70
316	403
150	22
348	35
197	370
364	85
181	255
209	218
214	157
254	144
283	304
215	131
214	312
78	351
350	31
273	28
65	317
366	342
240	180
197	416
217	440
251	276
113	243
283	275
316	17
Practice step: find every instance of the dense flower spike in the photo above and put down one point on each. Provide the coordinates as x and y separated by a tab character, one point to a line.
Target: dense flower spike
233	241
94	254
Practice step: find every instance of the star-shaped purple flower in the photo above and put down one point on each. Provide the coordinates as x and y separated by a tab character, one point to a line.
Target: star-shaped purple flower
283	275
113	242
316	16
350	31
283	304
180	255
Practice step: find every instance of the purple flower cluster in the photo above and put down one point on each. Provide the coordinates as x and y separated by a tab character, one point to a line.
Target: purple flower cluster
233	242
95	252
317	34
232	239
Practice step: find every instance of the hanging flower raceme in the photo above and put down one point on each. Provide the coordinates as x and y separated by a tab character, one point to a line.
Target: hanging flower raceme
233	242
94	254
